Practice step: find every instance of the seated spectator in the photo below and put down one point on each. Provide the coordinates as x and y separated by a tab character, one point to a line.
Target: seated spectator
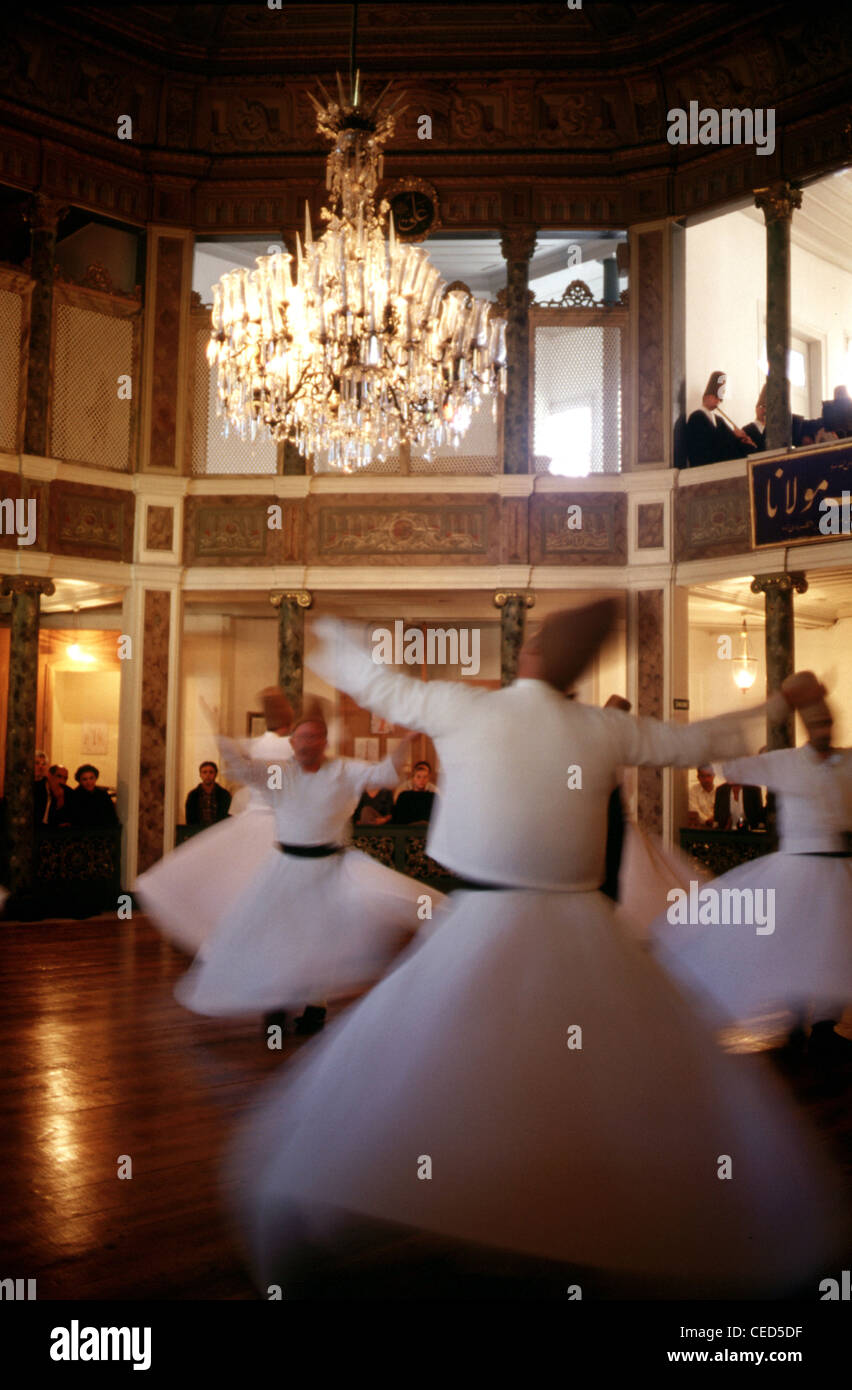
91	805
40	786
58	810
414	801
208	802
709	439
375	807
702	801
734	804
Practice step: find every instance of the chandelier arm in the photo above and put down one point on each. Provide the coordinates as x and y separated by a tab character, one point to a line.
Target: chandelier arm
352	40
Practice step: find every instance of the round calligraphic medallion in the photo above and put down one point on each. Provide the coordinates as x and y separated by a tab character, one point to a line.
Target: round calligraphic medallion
414	204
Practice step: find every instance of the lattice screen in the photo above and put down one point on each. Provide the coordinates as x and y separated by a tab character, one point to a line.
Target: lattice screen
212	452
577	421
11	313
90	423
478	451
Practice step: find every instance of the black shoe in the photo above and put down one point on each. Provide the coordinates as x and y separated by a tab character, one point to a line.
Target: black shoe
311	1021
828	1046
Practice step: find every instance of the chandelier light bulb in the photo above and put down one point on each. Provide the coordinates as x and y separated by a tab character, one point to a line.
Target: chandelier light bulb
365	347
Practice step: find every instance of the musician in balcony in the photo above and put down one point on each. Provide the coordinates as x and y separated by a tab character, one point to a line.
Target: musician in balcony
709	438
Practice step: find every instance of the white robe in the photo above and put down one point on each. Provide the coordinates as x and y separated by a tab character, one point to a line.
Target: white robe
605	1154
306	928
804	964
188	892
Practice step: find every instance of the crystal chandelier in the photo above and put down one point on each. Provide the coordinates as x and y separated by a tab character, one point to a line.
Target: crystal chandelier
367	347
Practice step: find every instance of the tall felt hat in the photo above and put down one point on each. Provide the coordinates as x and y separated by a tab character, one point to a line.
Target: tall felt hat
618	702
568	640
716	385
277	709
806	694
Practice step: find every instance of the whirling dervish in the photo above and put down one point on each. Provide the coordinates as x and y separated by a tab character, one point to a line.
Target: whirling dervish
528	1080
319	919
188	891
787	940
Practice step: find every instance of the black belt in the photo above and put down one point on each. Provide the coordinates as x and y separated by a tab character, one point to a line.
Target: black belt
826	853
467	885
311	851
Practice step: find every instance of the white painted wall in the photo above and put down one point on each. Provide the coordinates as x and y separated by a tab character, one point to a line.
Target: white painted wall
726	306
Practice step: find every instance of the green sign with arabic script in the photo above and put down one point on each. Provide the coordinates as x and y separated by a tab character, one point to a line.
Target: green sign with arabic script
803	497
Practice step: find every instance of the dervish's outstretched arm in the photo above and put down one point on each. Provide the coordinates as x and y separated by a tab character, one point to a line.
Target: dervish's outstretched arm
433	707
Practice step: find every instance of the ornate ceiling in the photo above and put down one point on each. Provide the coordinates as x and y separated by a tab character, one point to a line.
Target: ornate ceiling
540	114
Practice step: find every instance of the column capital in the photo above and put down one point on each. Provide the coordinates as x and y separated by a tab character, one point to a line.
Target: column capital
25	584
778	201
44	213
502	597
781	582
518	243
302	597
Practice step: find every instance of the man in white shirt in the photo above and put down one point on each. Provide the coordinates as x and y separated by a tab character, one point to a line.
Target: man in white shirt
702	799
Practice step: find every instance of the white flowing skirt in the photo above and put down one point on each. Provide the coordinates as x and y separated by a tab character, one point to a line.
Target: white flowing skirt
803	964
648	872
191	889
605	1155
305	929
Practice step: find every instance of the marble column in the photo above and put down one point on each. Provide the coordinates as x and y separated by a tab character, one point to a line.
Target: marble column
654	387
650	660
20	724
291	606
44	215
517	245
513	613
777	203
780	642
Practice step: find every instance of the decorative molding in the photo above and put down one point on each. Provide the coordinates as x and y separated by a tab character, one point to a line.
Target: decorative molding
778	201
712	519
783	582
649	526
600	539
301	597
159	527
429	528
25	584
501	598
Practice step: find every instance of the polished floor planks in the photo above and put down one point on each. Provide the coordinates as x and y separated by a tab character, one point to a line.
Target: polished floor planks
98	1060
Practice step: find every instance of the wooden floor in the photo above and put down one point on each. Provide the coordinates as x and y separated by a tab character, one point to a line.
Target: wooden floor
98	1060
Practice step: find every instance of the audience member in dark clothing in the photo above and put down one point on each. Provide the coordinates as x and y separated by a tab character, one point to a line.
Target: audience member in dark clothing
375	807
40	789
58	813
734	803
91	806
414	804
208	802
